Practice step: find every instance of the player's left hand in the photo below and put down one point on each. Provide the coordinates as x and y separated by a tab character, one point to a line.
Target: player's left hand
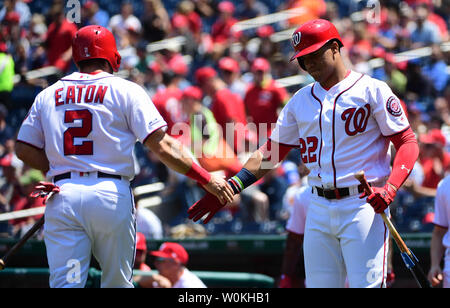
44	190
209	204
380	198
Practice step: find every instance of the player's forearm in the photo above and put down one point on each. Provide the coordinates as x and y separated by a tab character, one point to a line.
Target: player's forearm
437	250
176	157
33	157
259	164
407	152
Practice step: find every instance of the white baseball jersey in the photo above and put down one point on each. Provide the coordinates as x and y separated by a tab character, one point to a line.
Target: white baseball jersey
442	209
90	122
342	130
296	221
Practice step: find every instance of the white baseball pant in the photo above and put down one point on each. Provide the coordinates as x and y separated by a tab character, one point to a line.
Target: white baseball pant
344	238
90	215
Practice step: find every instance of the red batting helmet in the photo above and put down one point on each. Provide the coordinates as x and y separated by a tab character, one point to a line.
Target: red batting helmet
312	35
95	42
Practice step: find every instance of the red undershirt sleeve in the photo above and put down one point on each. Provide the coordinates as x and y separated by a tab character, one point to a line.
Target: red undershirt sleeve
407	152
270	152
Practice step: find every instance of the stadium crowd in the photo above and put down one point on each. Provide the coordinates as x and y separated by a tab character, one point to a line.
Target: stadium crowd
214	68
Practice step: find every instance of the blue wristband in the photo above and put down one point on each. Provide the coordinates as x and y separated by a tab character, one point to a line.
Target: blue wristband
242	180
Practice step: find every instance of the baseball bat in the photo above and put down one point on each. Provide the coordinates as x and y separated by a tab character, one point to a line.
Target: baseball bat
20	243
410	260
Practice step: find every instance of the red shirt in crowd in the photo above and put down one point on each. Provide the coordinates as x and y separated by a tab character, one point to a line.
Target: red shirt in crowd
221	30
167	101
59	40
431	178
261	103
228	107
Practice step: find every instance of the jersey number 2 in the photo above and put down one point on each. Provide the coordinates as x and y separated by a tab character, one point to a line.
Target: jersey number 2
86	147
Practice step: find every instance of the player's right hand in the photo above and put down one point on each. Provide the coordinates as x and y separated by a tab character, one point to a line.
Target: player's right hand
220	188
44	190
209	204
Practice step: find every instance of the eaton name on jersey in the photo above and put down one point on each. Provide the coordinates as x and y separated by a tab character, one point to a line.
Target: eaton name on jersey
77	94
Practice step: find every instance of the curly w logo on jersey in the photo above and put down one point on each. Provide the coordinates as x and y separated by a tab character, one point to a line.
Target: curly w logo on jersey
356	118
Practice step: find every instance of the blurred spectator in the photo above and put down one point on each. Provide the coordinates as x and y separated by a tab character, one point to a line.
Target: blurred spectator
148	223
36	37
436	69
424	32
275	188
228	108
186	12
250	9
263	99
18	6
9	185
267	48
6	76
207	143
92	14
7	133
171	260
167	101
155	21
59	37
22	201
418	86
221	32
147	281
434	159
231	75
120	23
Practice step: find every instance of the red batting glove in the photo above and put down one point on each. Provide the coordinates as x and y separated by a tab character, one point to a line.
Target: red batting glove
381	197
285	282
208	204
43	190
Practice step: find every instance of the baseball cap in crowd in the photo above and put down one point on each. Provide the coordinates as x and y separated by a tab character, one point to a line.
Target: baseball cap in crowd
434	136
192	92
226	7
265	31
174	251
229	64
260	64
204	73
141	243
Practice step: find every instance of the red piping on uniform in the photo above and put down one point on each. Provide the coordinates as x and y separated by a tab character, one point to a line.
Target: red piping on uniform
29	144
334	124
320	121
153	132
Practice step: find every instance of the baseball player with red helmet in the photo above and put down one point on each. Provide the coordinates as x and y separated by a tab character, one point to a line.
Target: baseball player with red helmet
81	132
342	123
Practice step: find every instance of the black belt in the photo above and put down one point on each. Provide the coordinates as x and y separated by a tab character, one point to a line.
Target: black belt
337	193
100	174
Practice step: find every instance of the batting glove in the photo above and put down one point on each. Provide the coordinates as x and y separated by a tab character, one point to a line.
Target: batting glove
44	190
381	197
209	204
